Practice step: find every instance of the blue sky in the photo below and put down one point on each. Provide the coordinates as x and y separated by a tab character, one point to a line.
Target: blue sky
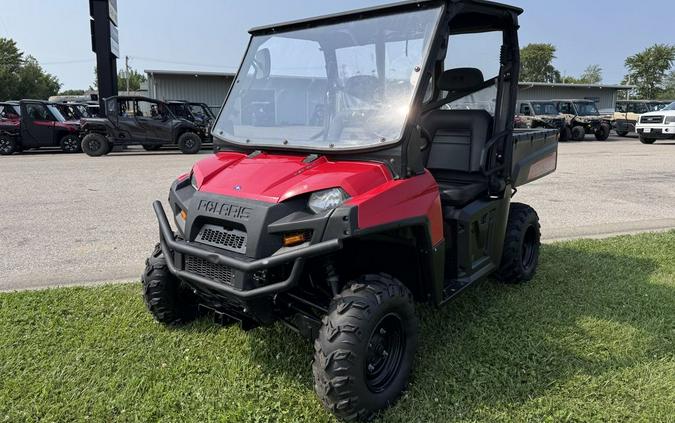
211	35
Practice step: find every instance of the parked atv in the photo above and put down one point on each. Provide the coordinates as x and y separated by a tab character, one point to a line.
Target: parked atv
336	226
139	121
582	117
541	114
37	124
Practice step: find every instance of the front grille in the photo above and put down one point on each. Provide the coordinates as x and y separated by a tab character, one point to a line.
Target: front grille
651	119
216	272
228	239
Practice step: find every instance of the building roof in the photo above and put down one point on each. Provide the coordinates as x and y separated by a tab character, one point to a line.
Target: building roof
563	85
183	72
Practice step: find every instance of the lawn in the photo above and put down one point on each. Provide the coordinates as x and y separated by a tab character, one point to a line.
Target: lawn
591	338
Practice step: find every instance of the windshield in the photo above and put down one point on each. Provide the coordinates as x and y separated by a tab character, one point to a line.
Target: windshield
56	113
201	112
544	108
586	109
339	86
671	106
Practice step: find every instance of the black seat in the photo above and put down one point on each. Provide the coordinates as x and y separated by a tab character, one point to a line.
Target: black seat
457	141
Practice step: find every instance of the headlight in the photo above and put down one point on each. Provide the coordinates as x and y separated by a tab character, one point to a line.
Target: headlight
670	119
328	199
193	181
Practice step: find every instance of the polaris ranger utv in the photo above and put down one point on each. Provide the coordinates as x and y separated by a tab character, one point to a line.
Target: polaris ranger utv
582	117
35	124
401	193
541	114
139	121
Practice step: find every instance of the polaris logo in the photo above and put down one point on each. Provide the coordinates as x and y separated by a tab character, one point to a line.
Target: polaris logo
225	210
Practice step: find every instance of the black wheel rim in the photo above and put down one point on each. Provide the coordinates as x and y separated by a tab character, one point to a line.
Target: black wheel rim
5	146
70	144
189	143
94	145
529	248
385	353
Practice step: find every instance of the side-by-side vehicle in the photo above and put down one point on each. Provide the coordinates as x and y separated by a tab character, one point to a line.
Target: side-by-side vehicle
30	124
130	120
364	162
582	117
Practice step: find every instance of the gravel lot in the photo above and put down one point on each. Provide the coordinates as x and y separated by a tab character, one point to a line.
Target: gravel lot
72	219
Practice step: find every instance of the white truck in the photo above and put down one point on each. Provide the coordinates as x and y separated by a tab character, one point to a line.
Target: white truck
658	125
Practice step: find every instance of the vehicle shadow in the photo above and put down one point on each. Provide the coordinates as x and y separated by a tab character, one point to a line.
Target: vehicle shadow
582	316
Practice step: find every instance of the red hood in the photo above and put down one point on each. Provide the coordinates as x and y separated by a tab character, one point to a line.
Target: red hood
275	178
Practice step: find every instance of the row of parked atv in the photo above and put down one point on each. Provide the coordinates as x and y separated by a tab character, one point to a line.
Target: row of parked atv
573	118
124	121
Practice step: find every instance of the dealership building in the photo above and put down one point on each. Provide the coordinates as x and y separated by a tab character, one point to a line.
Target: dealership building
211	88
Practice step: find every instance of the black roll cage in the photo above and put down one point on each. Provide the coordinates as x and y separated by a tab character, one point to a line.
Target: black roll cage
405	158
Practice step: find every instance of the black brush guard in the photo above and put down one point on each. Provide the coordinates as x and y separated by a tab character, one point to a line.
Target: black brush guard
169	244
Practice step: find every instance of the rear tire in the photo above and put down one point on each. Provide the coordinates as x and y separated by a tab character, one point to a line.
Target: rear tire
189	143
644	140
71	144
602	133
96	145
578	133
365	349
169	301
8	145
622	133
565	133
521	245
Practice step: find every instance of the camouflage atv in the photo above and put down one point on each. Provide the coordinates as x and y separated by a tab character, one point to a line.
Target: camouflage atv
582	117
541	114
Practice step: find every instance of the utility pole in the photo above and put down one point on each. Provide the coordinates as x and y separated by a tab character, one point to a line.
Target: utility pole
126	64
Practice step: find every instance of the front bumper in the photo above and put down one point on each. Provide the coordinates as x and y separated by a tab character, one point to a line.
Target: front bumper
665	132
174	249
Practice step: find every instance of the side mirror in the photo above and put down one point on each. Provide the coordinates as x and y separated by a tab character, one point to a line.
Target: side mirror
262	63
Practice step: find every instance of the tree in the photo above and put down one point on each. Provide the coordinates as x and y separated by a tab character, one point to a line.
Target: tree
669	87
23	77
135	80
536	63
648	70
592	75
72	92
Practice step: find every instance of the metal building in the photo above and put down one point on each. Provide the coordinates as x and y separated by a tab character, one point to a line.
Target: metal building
211	88
604	95
203	87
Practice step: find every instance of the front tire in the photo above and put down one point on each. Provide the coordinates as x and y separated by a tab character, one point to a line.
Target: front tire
169	301
578	133
365	349
8	145
565	133
70	144
622	133
96	145
602	133
521	245
644	140
189	143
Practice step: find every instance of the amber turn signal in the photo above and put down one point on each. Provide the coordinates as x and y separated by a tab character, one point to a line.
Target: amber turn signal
295	239
183	215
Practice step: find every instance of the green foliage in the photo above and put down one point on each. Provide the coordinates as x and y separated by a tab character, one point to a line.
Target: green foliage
135	80
23	77
589	339
648	70
536	63
72	92
592	75
668	87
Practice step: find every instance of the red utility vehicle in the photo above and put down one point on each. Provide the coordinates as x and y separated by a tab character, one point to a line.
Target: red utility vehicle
38	124
364	163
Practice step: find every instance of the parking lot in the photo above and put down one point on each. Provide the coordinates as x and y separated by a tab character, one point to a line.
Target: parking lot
72	219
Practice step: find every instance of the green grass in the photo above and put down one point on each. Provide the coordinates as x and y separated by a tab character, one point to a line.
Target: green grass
591	338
